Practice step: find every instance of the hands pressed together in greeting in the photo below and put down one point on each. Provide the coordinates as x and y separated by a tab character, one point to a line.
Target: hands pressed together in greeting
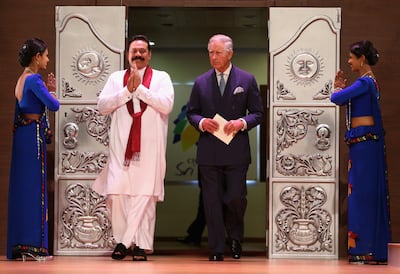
232	127
51	84
340	81
134	79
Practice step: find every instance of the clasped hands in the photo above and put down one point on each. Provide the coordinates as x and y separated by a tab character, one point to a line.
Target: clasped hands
134	79
340	81
232	127
51	83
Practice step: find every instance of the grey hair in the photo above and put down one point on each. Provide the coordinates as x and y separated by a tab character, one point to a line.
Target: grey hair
222	38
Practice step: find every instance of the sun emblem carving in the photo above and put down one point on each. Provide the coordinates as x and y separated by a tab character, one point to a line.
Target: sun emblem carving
90	66
304	67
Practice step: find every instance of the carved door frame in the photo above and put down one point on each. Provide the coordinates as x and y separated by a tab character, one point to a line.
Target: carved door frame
87	51
304	133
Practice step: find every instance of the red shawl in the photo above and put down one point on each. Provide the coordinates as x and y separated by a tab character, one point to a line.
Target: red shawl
133	145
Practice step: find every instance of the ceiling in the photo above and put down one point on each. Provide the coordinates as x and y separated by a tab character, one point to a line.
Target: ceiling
192	27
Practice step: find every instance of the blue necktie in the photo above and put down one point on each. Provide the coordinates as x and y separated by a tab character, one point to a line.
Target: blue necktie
222	83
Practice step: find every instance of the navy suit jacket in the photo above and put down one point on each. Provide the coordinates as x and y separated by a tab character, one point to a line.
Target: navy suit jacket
206	100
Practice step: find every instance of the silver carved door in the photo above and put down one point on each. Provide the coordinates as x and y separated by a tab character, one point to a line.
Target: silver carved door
90	44
304	126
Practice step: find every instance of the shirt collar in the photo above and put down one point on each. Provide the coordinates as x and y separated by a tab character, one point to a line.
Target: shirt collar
226	72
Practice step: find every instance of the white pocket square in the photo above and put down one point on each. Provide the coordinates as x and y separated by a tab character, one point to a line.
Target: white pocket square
238	90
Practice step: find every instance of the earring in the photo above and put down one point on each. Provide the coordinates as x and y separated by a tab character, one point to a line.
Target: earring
362	63
37	63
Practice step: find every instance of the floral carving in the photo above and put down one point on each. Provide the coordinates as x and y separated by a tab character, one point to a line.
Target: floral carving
325	92
90	162
293	126
292	165
68	90
97	125
303	224
85	223
284	93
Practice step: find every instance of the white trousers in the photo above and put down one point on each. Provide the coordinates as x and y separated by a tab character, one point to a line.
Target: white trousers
133	220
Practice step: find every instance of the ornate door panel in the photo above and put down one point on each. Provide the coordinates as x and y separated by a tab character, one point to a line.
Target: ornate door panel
90	45
304	150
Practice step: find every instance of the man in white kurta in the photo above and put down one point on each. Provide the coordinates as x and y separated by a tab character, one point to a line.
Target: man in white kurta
133	190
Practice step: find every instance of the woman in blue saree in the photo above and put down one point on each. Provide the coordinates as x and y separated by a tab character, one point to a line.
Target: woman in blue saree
368	202
27	234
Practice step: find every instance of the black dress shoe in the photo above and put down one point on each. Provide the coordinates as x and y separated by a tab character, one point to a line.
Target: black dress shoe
236	249
188	241
216	257
139	254
120	252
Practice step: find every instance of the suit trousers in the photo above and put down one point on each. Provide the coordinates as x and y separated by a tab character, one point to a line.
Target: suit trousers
196	228
224	197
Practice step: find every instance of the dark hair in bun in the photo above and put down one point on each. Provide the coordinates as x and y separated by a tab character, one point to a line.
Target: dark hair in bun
29	49
367	49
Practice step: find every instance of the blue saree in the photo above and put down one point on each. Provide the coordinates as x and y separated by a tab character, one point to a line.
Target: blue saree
368	200
27	197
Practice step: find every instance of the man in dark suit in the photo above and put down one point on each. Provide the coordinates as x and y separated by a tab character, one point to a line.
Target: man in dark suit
233	94
196	228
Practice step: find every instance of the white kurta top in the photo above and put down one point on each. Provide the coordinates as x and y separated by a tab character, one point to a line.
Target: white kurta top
146	176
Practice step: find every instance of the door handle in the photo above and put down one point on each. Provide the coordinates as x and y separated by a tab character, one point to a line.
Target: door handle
323	133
